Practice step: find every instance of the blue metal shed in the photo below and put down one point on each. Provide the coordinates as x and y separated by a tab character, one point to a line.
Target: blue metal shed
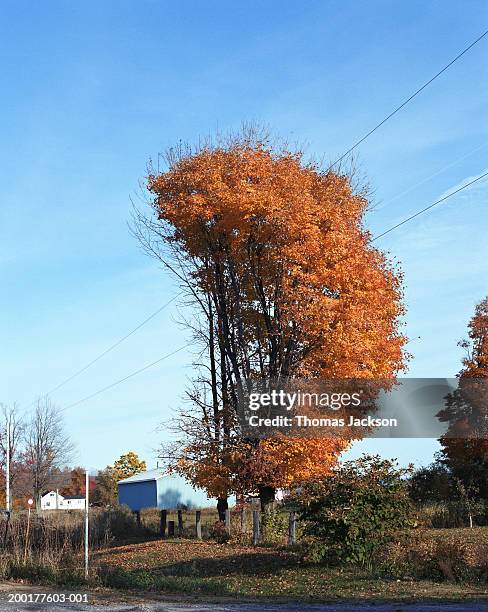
156	489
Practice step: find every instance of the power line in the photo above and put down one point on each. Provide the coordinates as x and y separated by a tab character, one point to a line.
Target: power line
403	104
150	365
380	205
118	382
110	348
420	212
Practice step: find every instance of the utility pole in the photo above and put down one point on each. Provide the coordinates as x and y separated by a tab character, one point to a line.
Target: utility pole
7	467
86	522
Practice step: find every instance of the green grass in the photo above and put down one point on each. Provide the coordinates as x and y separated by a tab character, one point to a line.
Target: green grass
206	568
429	564
304	583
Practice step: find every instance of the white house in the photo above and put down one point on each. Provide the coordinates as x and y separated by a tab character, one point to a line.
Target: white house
55	501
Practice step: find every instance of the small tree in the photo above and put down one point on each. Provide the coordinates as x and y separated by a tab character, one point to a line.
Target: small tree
105	491
128	465
466	454
356	510
76	485
47	447
431	484
468	501
12	421
106	481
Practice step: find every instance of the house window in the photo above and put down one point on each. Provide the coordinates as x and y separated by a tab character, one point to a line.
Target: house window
48	504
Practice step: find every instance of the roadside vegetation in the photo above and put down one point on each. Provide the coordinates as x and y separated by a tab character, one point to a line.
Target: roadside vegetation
359	535
435	564
234	569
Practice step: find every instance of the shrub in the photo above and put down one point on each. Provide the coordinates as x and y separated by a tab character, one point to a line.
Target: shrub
453	514
431	484
457	555
219	533
118	523
444	500
274	526
355	511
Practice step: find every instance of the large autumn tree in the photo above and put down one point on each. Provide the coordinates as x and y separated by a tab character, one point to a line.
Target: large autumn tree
467	408
273	253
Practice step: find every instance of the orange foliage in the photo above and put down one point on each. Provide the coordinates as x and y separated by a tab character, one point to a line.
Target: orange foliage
214	471
314	297
464	449
476	362
275	462
302	231
282	462
77	483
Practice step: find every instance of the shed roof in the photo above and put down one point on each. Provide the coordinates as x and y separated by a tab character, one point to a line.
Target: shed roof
144	476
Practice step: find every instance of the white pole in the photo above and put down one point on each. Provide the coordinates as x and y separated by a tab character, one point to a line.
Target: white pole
86	523
7	467
27	536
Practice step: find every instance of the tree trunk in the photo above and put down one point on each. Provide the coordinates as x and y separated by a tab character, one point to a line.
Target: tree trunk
222	506
266	497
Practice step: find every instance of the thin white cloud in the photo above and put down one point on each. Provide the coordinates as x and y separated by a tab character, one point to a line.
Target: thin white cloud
464	182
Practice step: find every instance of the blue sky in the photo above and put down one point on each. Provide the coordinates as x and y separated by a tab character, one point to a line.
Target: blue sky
91	91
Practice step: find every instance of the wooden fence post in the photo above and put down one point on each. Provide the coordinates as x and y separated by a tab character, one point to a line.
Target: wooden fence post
198	524
163	522
255	527
292	529
171	529
227	521
180	523
243	520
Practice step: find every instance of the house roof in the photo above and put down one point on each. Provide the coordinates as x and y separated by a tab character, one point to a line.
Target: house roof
144	476
61	497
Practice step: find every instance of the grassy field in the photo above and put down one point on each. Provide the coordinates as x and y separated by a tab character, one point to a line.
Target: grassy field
423	564
208	568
